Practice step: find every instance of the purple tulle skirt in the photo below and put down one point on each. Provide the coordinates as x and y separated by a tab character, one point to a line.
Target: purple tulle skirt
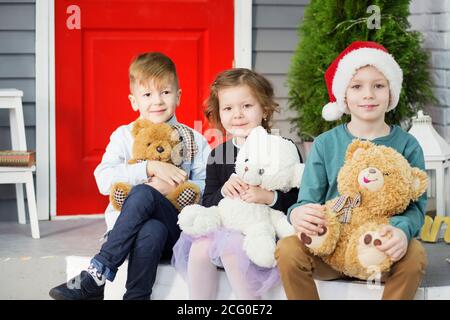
225	241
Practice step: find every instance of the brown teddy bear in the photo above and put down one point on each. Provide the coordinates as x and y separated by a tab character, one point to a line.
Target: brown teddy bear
375	183
160	142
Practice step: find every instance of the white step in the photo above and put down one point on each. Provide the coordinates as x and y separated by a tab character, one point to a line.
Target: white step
27	277
169	285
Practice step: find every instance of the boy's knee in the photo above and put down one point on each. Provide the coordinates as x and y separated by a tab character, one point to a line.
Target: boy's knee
413	265
154	229
416	258
290	253
142	193
152	235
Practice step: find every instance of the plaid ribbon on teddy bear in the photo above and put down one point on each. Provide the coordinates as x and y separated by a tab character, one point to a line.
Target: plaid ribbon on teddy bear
190	148
344	206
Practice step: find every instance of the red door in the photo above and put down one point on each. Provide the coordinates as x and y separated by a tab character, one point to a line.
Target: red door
94	42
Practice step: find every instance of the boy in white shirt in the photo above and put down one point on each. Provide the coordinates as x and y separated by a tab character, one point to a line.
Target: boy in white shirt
146	229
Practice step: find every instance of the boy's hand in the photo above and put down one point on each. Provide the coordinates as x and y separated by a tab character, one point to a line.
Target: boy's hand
308	219
167	172
256	194
397	245
234	187
161	185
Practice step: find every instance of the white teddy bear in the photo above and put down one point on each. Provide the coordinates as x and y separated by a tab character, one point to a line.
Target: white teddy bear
265	160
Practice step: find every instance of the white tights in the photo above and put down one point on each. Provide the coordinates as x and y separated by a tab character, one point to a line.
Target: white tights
203	276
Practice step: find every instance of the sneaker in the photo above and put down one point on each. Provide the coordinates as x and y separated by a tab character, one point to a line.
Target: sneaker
81	287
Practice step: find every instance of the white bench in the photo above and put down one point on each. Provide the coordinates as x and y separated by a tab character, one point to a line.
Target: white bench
169	285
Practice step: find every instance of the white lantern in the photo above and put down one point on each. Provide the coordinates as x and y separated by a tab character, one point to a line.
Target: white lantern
437	158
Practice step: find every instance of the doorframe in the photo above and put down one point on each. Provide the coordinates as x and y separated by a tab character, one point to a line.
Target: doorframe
243	20
44	104
45	93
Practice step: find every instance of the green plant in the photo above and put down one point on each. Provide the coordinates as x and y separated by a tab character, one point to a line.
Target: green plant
328	27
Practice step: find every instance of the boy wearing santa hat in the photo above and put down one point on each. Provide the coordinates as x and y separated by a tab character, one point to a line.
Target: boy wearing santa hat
364	81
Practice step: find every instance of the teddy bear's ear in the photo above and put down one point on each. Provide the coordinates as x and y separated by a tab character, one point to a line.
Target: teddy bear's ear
257	133
177	154
419	183
175	136
356	147
257	141
138	125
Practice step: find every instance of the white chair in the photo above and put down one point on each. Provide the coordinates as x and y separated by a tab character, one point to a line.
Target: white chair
12	99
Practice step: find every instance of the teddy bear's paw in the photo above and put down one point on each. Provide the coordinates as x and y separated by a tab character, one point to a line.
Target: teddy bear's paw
314	242
259	245
282	227
187	217
261	252
196	220
118	193
368	254
187	197
119	197
207	222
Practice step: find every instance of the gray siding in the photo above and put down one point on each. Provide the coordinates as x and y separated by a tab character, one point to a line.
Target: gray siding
17	70
275	25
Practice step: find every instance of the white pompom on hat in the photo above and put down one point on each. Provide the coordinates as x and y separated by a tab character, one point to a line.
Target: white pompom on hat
340	72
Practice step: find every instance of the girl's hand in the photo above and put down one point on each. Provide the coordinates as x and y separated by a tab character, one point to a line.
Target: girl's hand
256	194
161	185
308	219
167	172
234	187
397	245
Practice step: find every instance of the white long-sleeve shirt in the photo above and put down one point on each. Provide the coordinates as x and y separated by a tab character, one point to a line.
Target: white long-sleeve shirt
115	168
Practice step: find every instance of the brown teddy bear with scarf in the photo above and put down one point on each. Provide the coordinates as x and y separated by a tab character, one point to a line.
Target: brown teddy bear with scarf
375	183
166	143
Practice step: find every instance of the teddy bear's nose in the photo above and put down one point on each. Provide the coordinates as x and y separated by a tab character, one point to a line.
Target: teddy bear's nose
246	169
372	171
160	149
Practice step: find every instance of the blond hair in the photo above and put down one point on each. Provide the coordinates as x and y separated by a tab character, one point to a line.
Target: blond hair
260	87
154	66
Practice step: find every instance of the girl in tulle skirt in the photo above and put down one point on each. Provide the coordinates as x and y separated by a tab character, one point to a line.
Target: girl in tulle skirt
239	101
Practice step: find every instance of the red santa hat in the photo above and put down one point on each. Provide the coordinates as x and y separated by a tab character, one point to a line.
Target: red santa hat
357	55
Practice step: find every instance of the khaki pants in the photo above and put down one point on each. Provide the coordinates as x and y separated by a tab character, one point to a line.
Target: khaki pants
298	269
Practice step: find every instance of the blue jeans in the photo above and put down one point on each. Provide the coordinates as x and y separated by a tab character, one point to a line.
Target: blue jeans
146	232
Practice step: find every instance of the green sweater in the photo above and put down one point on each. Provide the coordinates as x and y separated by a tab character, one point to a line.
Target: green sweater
319	181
